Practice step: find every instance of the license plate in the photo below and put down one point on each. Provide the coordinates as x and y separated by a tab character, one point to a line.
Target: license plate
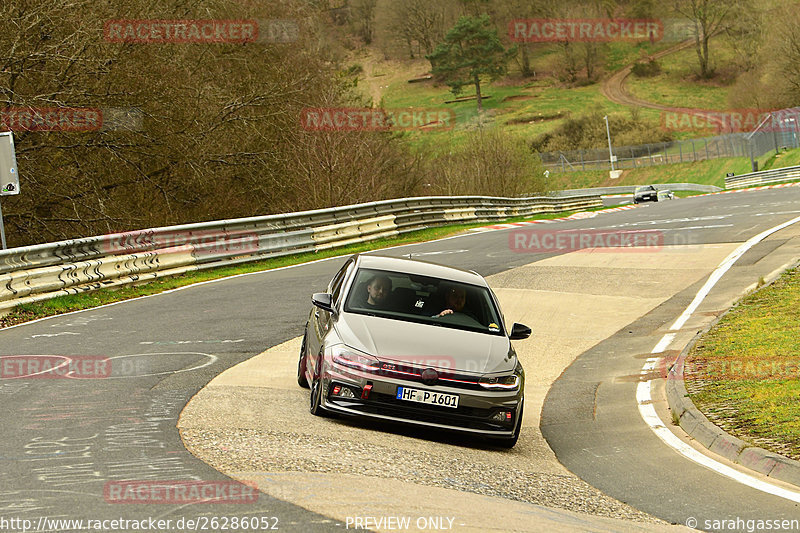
427	397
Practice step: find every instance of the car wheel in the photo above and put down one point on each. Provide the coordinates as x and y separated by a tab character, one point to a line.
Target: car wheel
316	408
301	366
509	442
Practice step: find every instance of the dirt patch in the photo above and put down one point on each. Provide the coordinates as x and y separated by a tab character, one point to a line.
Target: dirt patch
518	97
533	119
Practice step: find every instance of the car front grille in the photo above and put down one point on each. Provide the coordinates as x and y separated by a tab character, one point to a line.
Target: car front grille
462	417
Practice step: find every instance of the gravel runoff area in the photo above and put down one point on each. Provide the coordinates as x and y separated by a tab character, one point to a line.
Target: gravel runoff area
252	421
234	451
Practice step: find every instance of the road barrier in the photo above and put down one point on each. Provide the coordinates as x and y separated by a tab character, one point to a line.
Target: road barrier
43	271
762	178
628	189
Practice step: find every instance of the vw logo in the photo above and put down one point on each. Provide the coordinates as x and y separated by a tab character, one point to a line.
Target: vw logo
430	376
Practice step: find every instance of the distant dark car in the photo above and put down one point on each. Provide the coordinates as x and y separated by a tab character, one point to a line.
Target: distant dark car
414	342
649	193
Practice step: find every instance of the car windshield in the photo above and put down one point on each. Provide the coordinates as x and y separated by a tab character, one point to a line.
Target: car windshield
423	299
645	188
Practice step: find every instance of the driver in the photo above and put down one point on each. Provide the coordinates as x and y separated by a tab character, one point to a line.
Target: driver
378	289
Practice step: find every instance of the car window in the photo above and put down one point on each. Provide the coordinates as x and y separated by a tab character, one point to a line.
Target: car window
337	282
411	298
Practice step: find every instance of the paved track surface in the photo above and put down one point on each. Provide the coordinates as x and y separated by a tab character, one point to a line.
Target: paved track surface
65	439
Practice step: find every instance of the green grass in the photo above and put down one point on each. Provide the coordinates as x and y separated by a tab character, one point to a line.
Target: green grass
711	172
530	107
789	158
523	106
678	86
745	372
74	302
707	172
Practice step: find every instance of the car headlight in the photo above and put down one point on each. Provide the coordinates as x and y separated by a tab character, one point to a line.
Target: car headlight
350	358
508	382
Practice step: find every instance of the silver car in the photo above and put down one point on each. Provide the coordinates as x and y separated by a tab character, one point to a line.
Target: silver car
413	342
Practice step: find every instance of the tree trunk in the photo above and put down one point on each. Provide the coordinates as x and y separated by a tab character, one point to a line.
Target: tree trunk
478	93
526	60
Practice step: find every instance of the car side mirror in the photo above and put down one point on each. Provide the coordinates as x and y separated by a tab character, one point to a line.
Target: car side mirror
519	332
323	300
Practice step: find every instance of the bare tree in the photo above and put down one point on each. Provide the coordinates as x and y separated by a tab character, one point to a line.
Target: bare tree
363	13
708	17
420	24
218	123
490	162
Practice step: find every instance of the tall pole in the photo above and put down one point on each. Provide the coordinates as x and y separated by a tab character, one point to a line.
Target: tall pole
774	135
2	229
610	153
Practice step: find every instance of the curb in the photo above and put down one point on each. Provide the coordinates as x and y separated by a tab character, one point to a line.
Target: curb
715	439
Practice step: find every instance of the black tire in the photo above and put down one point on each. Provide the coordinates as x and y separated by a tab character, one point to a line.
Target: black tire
301	366
316	398
510	442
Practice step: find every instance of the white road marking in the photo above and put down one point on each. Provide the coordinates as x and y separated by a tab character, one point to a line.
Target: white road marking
54	334
211	360
776	213
441	252
643	390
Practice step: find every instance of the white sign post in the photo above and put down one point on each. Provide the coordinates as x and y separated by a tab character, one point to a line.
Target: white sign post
9	177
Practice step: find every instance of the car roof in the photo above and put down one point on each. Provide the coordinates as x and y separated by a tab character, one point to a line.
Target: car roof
422	268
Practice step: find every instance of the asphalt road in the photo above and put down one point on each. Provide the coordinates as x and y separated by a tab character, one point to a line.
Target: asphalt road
65	440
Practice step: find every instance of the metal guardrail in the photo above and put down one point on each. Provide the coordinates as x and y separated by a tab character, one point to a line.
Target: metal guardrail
33	273
763	177
628	189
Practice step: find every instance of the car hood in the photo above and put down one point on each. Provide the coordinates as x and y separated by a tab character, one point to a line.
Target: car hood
426	345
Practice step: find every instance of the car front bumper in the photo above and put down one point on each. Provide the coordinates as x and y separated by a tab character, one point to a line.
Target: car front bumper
477	412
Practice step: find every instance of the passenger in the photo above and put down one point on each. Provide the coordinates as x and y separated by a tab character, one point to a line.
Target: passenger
378	289
455	298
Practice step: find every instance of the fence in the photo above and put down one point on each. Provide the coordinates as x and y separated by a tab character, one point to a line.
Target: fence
39	272
778	130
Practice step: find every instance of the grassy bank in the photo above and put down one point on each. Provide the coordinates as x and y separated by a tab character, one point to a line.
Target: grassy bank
745	373
678	84
709	172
